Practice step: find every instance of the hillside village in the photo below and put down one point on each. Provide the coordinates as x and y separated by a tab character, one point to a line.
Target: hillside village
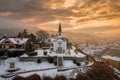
51	55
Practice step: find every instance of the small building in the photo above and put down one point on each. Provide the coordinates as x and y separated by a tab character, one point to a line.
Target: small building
12	65
9	43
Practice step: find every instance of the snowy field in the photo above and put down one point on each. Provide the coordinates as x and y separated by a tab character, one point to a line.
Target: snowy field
51	73
66	54
29	66
26	66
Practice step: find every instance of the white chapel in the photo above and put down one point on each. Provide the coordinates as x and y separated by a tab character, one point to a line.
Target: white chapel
59	44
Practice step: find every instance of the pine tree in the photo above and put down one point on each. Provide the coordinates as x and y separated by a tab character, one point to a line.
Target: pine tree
28	47
19	35
25	33
32	37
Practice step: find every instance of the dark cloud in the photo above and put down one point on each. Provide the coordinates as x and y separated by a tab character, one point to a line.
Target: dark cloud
39	9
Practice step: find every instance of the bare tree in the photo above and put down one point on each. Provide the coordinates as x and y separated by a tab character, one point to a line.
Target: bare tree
42	34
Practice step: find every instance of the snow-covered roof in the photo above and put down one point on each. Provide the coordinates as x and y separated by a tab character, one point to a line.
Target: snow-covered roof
52	39
59	39
16	40
24	55
1	40
116	58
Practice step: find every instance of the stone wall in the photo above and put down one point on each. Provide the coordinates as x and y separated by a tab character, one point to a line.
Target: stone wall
46	58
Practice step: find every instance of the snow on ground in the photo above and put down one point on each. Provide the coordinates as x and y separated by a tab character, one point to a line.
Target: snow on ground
73	47
51	73
33	65
26	66
91	49
116	70
3	69
116	58
66	54
68	63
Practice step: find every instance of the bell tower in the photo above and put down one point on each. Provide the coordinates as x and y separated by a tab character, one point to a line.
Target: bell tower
59	31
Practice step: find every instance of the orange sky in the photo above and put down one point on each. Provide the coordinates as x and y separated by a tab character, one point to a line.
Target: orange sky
88	16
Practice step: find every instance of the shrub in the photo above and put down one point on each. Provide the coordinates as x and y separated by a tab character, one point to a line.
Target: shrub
72	79
32	54
2	52
14	53
50	59
19	53
47	78
18	78
45	52
55	63
77	63
38	61
11	54
74	61
33	77
60	78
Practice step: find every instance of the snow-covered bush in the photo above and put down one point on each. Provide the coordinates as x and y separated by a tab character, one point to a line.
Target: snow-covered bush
50	59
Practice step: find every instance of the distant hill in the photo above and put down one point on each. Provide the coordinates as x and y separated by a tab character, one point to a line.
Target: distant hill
112	52
9	32
80	37
73	36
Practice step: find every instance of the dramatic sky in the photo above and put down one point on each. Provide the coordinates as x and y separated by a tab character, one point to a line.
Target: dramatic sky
87	16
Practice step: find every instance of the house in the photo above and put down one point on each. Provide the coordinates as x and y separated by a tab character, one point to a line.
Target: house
35	45
9	43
